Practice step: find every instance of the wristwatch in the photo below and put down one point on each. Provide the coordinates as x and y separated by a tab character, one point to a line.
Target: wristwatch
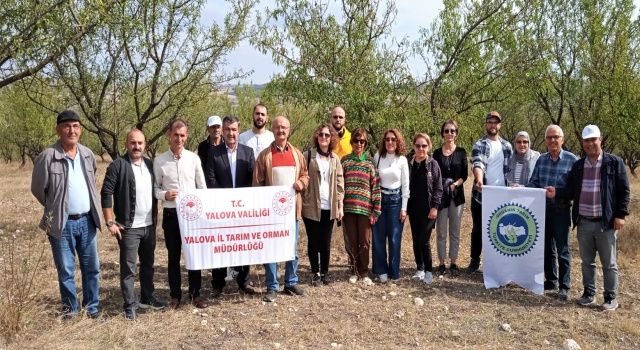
110	223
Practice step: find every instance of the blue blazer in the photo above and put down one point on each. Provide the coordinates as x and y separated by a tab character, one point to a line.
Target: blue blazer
218	170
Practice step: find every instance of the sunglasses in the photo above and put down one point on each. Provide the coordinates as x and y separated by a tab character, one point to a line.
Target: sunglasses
421	145
337	117
553	137
359	142
324	134
390	139
450	131
523	142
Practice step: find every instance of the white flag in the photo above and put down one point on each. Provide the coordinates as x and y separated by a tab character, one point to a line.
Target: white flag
237	226
513	236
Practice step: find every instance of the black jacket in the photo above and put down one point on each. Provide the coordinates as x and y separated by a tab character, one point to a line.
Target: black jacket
119	190
218	171
614	189
457	170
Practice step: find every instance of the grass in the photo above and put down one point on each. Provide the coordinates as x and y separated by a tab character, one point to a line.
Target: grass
457	313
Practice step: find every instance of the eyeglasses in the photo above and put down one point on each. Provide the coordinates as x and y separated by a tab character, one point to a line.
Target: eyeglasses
522	142
359	141
450	131
390	139
553	137
324	134
421	145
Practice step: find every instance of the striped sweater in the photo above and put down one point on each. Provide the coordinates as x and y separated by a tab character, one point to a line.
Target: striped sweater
361	186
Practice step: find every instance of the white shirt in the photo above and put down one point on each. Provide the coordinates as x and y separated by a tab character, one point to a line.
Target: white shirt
180	174
325	173
394	173
257	142
143	216
495	163
232	154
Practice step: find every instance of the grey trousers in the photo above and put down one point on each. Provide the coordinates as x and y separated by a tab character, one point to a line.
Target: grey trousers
591	240
137	242
449	220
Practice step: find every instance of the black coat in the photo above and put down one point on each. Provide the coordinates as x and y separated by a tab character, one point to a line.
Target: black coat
218	171
119	190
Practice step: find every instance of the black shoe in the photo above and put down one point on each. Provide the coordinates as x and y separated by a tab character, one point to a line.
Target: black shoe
216	293
270	297
455	270
550	286
130	314
98	316
316	280
441	270
473	266
152	304
326	279
294	290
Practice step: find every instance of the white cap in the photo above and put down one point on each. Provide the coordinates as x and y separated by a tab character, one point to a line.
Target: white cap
590	131
214	120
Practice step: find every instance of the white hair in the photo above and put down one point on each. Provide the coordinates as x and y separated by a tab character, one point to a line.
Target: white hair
556	127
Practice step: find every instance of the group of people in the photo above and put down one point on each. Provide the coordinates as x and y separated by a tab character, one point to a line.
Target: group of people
336	180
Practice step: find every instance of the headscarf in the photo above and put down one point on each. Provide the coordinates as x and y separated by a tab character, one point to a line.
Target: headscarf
528	161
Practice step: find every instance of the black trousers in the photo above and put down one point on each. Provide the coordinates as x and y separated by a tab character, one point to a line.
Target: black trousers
218	280
319	242
173	242
137	243
476	230
421	228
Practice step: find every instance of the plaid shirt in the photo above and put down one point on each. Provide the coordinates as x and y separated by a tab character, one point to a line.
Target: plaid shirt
552	173
480	159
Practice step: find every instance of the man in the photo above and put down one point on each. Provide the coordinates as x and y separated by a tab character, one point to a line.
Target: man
282	165
127	191
551	172
258	137
177	170
230	165
338	121
64	182
600	191
490	160
214	128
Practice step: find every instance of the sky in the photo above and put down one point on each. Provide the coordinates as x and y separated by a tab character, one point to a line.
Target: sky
411	15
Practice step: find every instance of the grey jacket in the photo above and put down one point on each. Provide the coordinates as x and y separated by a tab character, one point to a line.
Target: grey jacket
49	184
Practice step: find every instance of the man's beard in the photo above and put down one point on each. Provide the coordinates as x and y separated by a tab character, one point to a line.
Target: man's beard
258	126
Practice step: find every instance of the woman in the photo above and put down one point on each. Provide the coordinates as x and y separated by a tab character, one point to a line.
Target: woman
522	161
322	201
453	167
425	185
393	170
361	205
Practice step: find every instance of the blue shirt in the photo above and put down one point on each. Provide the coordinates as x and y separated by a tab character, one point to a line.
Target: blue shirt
79	202
548	172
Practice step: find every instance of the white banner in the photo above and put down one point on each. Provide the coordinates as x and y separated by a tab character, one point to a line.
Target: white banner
513	236
237	226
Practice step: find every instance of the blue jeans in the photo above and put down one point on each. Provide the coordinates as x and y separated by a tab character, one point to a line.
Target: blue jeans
388	228
78	236
557	256
290	270
593	239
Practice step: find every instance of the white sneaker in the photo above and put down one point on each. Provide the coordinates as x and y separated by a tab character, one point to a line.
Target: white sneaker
383	278
353	279
428	278
367	281
419	275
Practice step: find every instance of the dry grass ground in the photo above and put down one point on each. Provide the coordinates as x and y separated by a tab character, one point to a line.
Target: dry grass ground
457	313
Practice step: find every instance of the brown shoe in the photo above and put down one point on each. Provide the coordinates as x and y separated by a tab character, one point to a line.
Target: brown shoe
199	303
174	303
248	290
